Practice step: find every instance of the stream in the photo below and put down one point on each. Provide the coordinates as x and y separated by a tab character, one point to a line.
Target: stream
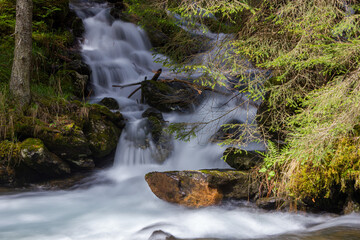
117	203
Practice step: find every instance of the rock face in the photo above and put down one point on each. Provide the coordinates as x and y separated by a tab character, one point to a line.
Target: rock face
171	96
200	188
243	160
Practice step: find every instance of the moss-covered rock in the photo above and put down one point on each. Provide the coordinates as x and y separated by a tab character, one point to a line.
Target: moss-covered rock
110	103
242	160
38	163
69	143
171	96
103	129
201	188
29	161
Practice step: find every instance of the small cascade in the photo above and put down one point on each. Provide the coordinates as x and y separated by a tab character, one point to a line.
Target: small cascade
119	53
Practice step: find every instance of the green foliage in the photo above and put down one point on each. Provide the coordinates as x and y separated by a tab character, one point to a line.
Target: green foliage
322	149
182	131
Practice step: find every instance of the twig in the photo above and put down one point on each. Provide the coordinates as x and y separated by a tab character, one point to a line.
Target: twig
134	92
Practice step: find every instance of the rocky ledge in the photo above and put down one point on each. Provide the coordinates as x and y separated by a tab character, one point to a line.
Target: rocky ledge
63	138
202	188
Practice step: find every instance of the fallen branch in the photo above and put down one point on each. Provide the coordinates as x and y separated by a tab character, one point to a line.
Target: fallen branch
127	85
134	92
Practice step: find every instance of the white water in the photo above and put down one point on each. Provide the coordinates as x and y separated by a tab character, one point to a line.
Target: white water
117	203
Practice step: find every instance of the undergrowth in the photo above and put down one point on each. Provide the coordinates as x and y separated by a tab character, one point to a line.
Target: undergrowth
50	77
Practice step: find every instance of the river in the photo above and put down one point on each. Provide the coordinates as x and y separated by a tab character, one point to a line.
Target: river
117	203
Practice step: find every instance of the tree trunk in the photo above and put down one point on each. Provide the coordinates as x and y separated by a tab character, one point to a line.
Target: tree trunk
21	69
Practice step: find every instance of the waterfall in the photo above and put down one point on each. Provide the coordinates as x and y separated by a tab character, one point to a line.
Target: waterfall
116	204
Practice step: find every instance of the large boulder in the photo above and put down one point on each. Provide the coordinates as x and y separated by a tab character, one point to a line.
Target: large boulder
241	159
168	96
201	188
36	162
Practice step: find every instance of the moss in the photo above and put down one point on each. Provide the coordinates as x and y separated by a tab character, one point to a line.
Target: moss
221	174
340	171
9	152
32	144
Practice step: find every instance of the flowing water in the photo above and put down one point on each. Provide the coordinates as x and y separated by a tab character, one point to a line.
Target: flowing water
117	203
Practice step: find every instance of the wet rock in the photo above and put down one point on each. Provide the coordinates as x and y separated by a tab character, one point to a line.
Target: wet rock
103	130
171	96
36	162
163	141
110	103
153	112
201	188
242	160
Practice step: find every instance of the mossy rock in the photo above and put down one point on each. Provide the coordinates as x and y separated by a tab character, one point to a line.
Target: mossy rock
102	130
171	96
69	144
241	159
110	103
38	163
73	131
63	138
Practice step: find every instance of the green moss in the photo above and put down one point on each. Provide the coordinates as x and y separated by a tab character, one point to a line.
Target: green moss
9	152
340	169
32	145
